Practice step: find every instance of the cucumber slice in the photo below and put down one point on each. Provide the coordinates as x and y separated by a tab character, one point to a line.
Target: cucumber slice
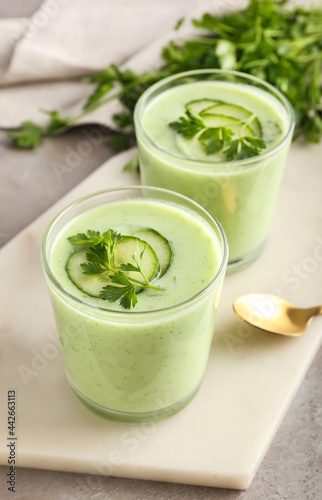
228	110
160	245
92	285
198	105
234	111
212	120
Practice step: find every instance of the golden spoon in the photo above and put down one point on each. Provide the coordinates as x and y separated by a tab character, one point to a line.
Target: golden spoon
274	314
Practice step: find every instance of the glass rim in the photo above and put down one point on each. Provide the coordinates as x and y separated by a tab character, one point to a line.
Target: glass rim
212	164
55	282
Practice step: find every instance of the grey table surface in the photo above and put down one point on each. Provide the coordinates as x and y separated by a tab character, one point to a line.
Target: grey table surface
291	468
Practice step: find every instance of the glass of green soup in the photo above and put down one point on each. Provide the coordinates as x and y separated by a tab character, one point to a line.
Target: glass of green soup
221	138
135	276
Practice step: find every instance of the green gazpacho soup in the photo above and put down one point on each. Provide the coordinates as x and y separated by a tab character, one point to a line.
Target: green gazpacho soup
218	143
151	356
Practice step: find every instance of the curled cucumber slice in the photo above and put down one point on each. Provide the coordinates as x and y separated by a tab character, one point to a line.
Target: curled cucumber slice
213	120
198	105
234	111
160	245
93	284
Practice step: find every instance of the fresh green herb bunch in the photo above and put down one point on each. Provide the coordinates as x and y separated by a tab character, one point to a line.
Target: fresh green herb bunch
280	45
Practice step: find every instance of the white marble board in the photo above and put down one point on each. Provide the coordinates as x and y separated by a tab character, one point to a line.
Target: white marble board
221	437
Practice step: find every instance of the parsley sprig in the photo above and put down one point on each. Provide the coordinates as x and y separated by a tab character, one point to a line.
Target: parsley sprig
268	39
244	147
101	254
101	258
219	139
188	125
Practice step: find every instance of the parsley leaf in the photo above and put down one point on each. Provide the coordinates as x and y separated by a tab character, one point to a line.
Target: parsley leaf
121	279
188	125
120	142
123	119
28	136
231	149
132	165
56	122
92	269
179	23
90	238
129	267
125	293
107	75
244	147
100	91
213	139
255	142
129	299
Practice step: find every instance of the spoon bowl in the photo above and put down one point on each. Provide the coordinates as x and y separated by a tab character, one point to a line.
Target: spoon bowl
274	314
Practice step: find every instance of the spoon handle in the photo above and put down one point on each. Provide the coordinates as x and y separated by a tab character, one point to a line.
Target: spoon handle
314	311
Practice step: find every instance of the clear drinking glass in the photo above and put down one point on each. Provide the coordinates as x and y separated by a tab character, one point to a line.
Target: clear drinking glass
126	365
240	193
